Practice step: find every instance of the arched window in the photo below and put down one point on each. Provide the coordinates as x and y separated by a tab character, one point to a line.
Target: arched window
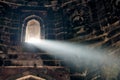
33	32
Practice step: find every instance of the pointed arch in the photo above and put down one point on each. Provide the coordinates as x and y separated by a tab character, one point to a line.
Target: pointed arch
33	30
32	20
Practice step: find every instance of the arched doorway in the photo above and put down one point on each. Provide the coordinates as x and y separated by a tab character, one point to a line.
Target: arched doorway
33	24
33	31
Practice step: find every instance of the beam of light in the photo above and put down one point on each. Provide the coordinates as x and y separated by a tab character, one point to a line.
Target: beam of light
72	50
78	54
65	48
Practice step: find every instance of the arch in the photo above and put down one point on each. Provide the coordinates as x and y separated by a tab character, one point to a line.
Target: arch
31	77
32	19
32	30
